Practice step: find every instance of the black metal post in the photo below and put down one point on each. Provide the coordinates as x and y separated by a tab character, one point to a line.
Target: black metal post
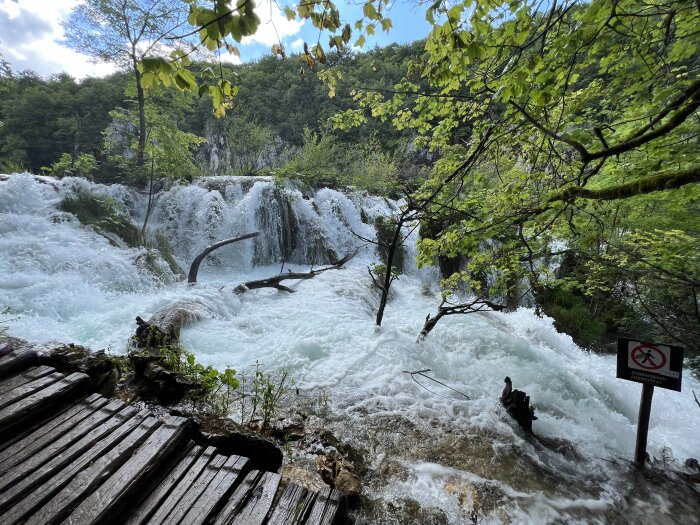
640	452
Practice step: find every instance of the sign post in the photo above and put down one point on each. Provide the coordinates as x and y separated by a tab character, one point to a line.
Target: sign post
652	365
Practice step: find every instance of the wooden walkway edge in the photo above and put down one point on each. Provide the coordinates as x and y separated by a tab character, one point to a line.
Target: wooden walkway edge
73	458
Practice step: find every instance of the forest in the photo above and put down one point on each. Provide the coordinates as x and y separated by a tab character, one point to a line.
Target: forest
537	160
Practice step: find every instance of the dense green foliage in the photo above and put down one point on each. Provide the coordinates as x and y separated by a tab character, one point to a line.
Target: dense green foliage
566	129
43	119
566	135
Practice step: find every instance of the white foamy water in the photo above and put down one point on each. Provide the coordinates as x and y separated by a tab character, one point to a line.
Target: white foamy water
62	281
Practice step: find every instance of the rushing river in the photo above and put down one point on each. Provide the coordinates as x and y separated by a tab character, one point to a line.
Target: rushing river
62	281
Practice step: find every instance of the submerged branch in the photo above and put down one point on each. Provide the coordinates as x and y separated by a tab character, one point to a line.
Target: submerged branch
477	305
194	268
275	281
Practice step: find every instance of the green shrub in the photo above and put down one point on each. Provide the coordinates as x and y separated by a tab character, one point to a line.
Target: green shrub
103	214
84	166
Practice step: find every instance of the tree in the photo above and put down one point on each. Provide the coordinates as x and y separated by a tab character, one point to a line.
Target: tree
556	124
125	32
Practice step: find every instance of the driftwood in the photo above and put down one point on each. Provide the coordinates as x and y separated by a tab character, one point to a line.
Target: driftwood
517	403
163	328
477	305
275	281
194	267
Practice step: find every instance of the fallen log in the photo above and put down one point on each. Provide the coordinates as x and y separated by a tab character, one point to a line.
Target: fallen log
194	267
477	305
163	328
275	281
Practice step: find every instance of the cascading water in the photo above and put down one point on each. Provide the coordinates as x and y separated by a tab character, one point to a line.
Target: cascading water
60	280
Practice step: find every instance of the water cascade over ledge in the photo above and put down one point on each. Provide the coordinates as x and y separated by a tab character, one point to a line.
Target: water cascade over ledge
60	280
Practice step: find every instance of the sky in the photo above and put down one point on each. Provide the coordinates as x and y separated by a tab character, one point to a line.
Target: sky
32	38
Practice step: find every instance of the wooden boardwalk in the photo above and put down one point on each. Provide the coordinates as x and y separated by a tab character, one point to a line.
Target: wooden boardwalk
70	457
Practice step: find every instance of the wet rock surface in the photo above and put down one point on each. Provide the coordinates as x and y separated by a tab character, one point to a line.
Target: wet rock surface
103	369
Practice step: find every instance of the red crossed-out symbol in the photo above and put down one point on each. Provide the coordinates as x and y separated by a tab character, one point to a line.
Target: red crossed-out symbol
648	356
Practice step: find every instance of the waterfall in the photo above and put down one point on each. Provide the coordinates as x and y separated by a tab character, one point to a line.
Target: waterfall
63	280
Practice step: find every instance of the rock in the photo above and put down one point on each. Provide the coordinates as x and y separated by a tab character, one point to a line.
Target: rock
692	463
5	348
289	428
231	438
165	385
103	369
338	473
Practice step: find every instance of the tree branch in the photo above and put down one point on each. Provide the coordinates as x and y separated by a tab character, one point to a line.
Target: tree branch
274	282
194	267
662	182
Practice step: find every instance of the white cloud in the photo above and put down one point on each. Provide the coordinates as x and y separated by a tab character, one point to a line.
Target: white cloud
274	25
297	44
229	58
32	38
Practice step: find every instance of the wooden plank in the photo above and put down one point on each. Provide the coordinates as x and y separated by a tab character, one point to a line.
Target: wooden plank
327	508
55	448
293	506
259	501
225	481
116	492
89	479
29	388
238	498
161	492
43	482
179	491
17	361
56	429
15	381
38	403
189	500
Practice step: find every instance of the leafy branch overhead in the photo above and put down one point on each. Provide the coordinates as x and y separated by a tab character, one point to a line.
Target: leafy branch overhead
220	22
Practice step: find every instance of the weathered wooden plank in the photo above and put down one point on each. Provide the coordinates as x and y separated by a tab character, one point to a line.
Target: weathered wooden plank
102	505
225	481
238	498
19	416
89	479
179	491
17	361
161	492
25	377
190	498
259	501
42	483
56	429
55	447
29	388
327	507
293	506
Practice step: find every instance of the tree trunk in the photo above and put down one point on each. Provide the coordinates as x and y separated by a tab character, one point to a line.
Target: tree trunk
141	98
162	330
387	273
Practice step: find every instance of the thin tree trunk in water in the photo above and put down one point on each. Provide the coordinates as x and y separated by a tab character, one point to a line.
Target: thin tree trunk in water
140	153
387	272
194	267
149	208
